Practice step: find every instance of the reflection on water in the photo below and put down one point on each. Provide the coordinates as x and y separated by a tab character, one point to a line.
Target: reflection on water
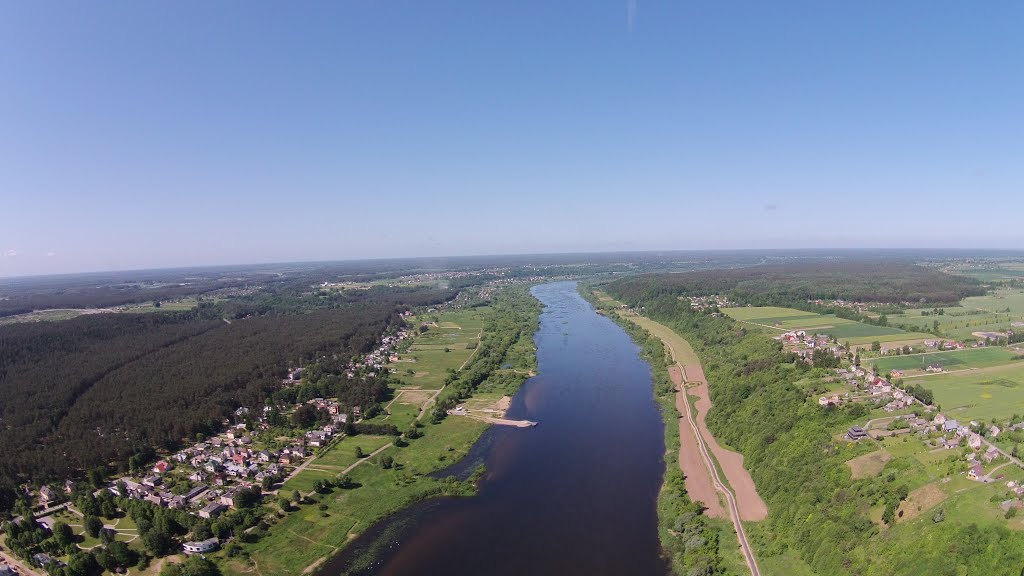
574	495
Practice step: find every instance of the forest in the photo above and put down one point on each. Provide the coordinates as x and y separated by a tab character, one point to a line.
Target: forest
96	390
792	452
792	284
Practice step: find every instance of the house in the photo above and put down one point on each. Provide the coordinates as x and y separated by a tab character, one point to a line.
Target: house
161	467
70	486
856	433
950	426
939	419
42	559
201	547
974	441
991	454
265	456
6	570
212	510
994	431
47	496
975	472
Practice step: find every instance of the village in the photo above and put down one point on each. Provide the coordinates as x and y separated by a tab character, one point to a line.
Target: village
206	478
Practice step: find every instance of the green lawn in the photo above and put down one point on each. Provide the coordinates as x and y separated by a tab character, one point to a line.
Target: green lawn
949	360
343	453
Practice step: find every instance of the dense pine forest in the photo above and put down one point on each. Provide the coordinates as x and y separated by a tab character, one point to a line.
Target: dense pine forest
794	283
96	390
816	509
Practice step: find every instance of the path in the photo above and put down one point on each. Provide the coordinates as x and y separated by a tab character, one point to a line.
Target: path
367	457
754	506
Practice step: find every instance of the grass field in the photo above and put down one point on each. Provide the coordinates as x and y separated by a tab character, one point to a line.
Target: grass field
949	360
790	319
307	534
975	314
985	393
426	359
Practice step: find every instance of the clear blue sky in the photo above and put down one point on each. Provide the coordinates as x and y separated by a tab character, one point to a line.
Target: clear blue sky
144	134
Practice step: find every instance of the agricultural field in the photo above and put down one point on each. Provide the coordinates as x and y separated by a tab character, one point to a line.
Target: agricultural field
949	360
788	319
984	393
994	312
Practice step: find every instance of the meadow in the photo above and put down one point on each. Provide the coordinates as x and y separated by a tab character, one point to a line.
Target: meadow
985	393
790	319
949	360
448	343
975	314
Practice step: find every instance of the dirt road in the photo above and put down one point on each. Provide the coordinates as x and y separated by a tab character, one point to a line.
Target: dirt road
698	479
690	371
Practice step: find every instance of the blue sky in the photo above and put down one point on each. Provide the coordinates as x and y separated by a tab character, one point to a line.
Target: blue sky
144	134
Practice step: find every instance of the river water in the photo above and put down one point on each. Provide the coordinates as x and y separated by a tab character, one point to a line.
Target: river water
577	494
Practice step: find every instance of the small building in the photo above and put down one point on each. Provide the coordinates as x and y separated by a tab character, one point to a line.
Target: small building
990	454
950	426
856	433
47	495
974	441
212	510
975	472
201	547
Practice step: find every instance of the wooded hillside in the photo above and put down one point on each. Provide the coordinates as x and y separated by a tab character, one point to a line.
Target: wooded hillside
786	284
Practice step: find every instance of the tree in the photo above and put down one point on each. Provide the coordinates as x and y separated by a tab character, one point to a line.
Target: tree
93	525
345	482
63	535
248	498
876	346
296	497
158	542
285	504
386	462
359	452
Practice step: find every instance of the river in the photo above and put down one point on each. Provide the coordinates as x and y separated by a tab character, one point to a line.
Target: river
575	495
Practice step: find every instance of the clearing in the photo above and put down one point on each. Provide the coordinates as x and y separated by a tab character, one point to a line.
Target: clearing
868	465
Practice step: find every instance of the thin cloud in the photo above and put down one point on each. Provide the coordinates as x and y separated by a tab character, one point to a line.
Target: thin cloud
631	14
51	254
771	207
10	253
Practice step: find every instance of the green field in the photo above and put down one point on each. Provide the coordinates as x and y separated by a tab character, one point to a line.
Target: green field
975	314
985	393
426	357
949	360
790	319
307	534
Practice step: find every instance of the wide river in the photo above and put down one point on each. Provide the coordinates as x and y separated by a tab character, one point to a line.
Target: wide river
575	495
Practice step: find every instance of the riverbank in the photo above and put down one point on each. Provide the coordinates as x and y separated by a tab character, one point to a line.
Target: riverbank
299	540
681	516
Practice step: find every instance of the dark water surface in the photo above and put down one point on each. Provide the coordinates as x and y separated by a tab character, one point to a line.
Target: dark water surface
574	495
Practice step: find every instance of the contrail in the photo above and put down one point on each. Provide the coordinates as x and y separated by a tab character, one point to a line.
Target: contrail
631	13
